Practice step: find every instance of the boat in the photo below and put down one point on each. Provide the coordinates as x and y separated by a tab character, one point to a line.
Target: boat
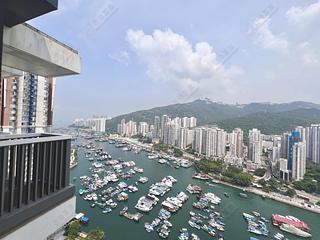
278	220
256	214
164	214
278	236
149	228
162	161
193	189
211	232
106	210
125	149
146	203
194	237
254	230
164	231
167	223
113	205
226	194
143	179
139	170
81	191
184	234
249	217
294	230
122	196
193	224
125	209
153	156
244	195
201	176
220	237
93	205
132	189
212	198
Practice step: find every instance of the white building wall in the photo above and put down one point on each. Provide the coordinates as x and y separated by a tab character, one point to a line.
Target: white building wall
255	146
43	226
19	104
42	105
299	161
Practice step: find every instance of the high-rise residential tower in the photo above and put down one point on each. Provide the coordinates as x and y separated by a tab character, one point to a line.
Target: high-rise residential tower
164	127
236	143
157	127
143	128
255	146
284	145
299	159
199	140
313	143
210	141
28	104
293	138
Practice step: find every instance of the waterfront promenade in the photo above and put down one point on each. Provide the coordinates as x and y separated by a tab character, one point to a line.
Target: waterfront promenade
297	202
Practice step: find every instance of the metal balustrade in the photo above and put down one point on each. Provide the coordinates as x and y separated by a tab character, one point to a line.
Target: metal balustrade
34	176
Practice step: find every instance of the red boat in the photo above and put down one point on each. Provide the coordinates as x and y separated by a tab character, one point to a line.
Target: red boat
278	220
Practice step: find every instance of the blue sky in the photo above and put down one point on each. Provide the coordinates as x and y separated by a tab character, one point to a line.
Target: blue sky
141	54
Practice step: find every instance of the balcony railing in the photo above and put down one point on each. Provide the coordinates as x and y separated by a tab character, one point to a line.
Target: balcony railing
34	176
51	38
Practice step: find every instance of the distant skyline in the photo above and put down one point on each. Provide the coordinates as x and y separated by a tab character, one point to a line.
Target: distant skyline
143	54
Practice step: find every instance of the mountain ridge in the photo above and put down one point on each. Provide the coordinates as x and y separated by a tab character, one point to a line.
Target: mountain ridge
229	115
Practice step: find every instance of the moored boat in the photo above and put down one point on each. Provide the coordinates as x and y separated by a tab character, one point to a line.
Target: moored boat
294	230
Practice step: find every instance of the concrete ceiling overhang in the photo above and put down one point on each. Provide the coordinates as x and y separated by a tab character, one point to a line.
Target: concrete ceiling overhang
28	49
20	11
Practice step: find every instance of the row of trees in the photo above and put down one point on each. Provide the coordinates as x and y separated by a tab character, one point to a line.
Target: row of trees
143	139
311	181
165	148
161	147
229	174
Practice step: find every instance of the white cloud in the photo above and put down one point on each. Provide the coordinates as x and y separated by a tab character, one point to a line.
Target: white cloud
309	56
265	38
121	57
304	15
194	71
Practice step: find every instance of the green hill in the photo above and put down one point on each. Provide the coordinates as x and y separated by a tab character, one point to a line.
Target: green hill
273	123
269	117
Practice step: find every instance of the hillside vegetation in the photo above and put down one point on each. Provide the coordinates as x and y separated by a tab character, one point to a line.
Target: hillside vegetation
269	118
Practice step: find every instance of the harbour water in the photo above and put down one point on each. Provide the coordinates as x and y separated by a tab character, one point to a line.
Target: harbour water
120	228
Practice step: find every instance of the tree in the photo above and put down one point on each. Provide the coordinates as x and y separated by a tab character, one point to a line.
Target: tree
161	147
96	234
73	229
260	172
209	166
273	185
177	152
307	185
291	192
262	182
243	179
